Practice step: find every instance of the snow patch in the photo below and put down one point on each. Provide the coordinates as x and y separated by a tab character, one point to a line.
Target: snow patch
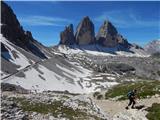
19	60
111	78
97	50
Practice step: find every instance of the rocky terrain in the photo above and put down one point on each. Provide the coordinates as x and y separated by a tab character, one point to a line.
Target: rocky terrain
40	82
50	106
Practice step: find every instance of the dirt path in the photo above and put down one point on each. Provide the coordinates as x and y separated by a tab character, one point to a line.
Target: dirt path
117	111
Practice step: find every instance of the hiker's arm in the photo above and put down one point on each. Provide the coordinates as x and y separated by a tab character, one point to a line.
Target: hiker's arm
137	97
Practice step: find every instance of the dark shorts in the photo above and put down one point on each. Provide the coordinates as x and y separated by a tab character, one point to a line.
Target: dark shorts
131	101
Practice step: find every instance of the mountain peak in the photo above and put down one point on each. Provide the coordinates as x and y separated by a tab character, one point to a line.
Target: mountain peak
11	28
109	28
107	36
85	32
106	22
14	32
86	18
67	36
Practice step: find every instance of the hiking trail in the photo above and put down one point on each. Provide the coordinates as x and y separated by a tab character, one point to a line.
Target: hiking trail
117	111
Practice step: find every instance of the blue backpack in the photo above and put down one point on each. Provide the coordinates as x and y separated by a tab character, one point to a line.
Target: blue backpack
129	94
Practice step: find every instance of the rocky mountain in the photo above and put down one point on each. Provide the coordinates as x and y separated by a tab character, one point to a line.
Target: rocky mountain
108	36
67	36
14	32
153	46
22	63
18	48
84	35
85	32
107	41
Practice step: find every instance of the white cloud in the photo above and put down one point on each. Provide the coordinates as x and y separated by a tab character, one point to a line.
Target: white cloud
43	21
125	19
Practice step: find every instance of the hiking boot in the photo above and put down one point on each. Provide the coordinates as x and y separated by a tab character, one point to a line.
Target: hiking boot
133	107
127	107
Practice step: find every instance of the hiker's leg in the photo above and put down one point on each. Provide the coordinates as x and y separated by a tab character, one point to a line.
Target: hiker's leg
133	103
130	102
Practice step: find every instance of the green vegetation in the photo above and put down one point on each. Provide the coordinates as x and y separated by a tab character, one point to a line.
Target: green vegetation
56	108
144	89
154	112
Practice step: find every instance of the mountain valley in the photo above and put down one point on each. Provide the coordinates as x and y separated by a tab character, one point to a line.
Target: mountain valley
58	82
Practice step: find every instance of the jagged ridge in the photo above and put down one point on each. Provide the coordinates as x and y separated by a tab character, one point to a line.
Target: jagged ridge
107	36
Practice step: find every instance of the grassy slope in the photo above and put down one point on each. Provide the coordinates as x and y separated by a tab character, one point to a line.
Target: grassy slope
154	112
145	88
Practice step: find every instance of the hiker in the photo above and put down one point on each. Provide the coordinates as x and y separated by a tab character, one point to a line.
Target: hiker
132	97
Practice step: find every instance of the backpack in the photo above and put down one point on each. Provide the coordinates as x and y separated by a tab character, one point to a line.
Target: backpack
129	94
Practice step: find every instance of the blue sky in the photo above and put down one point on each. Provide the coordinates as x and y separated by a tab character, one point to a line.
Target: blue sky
139	22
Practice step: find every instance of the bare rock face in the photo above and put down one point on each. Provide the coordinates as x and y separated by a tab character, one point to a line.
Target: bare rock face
29	35
14	32
108	36
85	32
11	28
3	48
67	36
122	41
